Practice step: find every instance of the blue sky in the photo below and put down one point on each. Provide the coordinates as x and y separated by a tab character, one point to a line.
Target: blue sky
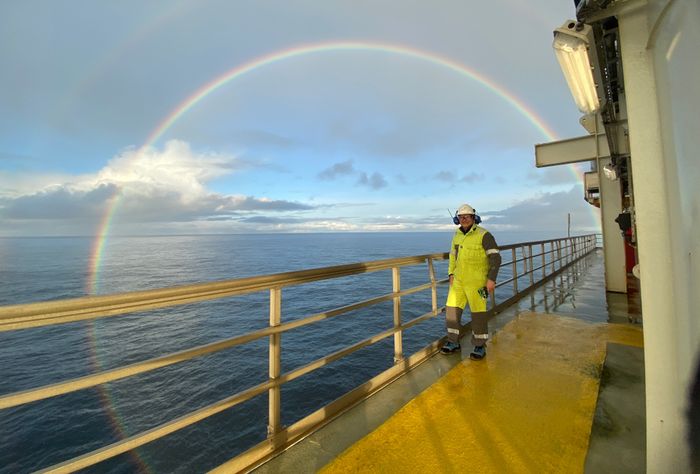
334	141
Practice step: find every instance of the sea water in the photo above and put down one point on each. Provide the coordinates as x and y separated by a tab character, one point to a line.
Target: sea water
44	433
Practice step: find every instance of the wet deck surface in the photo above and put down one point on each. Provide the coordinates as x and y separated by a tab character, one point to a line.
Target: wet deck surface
527	407
535	404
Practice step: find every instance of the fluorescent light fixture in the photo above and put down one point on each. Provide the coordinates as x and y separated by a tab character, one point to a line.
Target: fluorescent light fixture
572	45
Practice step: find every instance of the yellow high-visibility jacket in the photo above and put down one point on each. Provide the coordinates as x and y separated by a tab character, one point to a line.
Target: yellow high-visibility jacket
468	259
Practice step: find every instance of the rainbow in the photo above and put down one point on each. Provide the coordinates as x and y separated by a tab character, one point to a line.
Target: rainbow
291	53
304	50
116	423
98	247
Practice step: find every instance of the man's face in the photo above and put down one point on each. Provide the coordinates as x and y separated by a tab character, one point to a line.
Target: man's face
465	220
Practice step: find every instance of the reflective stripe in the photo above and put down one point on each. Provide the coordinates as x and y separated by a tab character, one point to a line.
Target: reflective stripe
492	251
453	330
480	336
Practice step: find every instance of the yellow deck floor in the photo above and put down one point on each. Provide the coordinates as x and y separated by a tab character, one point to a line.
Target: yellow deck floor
527	407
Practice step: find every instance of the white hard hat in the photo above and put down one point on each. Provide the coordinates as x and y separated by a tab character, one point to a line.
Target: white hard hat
465	209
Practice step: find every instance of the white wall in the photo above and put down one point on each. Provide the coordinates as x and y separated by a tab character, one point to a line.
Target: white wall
676	53
660	50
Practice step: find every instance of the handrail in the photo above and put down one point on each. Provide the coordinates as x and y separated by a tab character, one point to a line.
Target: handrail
41	393
92	307
561	253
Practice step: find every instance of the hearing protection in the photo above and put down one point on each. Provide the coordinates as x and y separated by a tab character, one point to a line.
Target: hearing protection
455	219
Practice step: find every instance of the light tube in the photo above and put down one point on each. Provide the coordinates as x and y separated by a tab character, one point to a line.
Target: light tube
571	47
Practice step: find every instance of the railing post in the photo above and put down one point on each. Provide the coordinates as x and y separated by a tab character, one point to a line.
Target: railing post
398	336
523	251
532	266
552	255
563	251
433	281
515	272
544	262
559	253
274	425
571	250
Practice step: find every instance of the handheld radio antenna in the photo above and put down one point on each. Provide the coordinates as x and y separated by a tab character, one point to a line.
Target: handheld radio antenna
454	217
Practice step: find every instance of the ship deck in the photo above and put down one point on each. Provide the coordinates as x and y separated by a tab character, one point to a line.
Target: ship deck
561	390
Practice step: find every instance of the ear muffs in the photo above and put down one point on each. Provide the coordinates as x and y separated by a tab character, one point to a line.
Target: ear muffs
477	219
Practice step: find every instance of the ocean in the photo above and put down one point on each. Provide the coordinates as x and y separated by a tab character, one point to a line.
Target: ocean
47	432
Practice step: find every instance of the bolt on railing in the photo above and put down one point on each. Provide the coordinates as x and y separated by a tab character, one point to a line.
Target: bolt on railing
561	251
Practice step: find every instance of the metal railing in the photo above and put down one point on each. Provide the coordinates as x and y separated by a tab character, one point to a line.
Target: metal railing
531	264
599	240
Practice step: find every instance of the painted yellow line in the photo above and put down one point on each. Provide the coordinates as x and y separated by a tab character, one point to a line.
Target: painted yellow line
624	334
527	407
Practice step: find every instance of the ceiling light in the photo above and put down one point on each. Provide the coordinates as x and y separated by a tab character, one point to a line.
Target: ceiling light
572	45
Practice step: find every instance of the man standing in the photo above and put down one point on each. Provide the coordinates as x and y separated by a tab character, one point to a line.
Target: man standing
474	264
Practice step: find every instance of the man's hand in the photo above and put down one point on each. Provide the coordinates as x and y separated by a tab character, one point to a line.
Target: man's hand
452	277
490	285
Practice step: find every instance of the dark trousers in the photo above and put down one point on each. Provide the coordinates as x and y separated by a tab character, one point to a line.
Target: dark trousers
480	326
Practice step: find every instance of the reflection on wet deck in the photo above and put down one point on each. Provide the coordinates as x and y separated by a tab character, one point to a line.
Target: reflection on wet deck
580	293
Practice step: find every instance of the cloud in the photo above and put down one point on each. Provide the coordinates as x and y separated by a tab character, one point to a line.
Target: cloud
58	202
176	167
375	181
150	186
339	169
446	176
450	177
547	211
346	168
472	177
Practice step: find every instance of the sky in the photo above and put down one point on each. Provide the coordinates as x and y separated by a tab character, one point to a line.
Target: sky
205	117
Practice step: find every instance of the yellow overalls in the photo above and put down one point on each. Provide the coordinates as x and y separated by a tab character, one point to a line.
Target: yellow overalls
469	266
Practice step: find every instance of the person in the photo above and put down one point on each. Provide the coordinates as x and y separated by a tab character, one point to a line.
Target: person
473	268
